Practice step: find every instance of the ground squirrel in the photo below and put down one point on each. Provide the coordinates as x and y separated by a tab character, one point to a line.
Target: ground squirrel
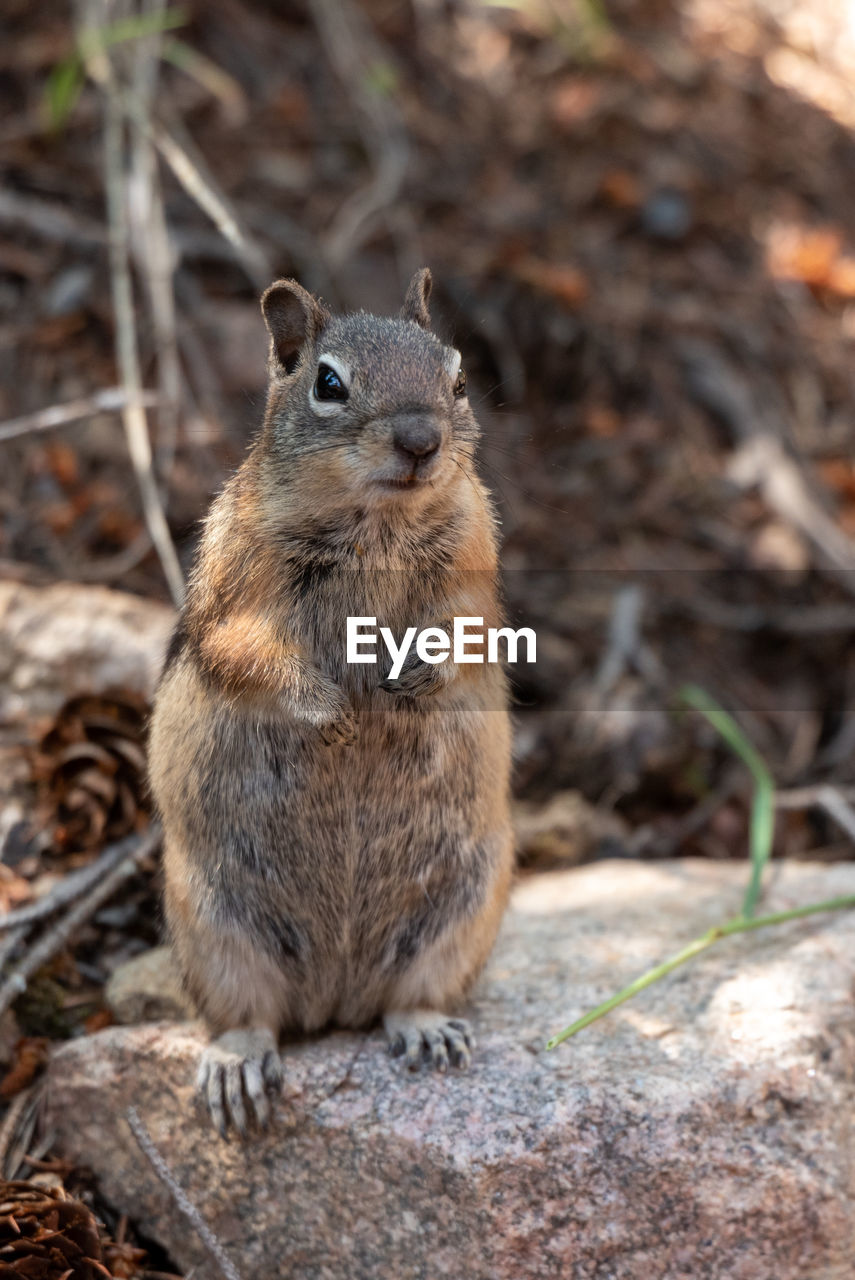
337	846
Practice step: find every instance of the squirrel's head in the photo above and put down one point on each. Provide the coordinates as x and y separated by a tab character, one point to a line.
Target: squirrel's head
379	403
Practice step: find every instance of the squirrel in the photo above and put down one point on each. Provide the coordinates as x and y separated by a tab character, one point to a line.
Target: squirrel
337	846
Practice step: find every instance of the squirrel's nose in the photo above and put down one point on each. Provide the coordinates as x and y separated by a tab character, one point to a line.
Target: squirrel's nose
416	438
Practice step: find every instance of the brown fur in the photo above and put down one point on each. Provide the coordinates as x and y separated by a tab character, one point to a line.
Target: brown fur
334	850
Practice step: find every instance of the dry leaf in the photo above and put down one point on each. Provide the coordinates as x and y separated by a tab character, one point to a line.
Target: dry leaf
31	1053
813	255
562	281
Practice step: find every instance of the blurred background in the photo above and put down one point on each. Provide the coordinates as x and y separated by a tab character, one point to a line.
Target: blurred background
640	218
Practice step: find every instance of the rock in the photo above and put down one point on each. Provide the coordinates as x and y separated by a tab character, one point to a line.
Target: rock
567	829
666	215
62	641
702	1130
148	989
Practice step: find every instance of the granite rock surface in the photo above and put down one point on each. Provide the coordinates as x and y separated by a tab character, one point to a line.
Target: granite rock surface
67	640
704	1129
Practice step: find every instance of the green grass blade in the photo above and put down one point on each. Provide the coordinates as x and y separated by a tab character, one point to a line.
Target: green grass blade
762	828
94	39
62	90
740	925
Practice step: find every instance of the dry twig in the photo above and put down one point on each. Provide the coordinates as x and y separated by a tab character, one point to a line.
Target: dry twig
356	57
50	221
151	247
17	1130
135	848
188	166
832	800
103	569
191	171
134	417
625	648
179	1195
818	620
761	458
10	942
113	399
70	887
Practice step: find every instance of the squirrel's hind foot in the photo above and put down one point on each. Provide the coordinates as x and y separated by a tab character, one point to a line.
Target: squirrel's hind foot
239	1074
424	1037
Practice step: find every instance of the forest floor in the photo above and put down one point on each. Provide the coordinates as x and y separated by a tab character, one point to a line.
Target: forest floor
641	227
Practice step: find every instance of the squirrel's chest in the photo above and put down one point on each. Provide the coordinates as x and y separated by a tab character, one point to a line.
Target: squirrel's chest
396	599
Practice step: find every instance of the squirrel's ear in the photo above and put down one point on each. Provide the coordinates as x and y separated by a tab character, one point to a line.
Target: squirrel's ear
416	301
293	318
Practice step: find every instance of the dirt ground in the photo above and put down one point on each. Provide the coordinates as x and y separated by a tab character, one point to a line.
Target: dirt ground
640	220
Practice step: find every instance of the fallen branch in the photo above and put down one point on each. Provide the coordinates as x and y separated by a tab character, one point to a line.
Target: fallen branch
47	947
72	886
179	1195
113	399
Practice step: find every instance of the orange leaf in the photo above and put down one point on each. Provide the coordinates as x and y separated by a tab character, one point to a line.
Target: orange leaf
561	280
621	189
30	1056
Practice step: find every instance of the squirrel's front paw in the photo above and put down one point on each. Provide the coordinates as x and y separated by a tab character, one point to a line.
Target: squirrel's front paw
343	731
415	681
239	1074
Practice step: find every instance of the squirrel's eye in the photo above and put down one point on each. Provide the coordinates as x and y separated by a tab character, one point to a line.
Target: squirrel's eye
329	385
460	384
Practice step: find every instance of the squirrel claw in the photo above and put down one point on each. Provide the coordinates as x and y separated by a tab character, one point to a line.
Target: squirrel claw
426	1038
238	1075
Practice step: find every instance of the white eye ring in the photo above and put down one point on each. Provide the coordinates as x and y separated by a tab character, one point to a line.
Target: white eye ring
327	407
452	364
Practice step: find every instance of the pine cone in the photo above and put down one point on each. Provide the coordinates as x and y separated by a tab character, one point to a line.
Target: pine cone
90	772
46	1235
